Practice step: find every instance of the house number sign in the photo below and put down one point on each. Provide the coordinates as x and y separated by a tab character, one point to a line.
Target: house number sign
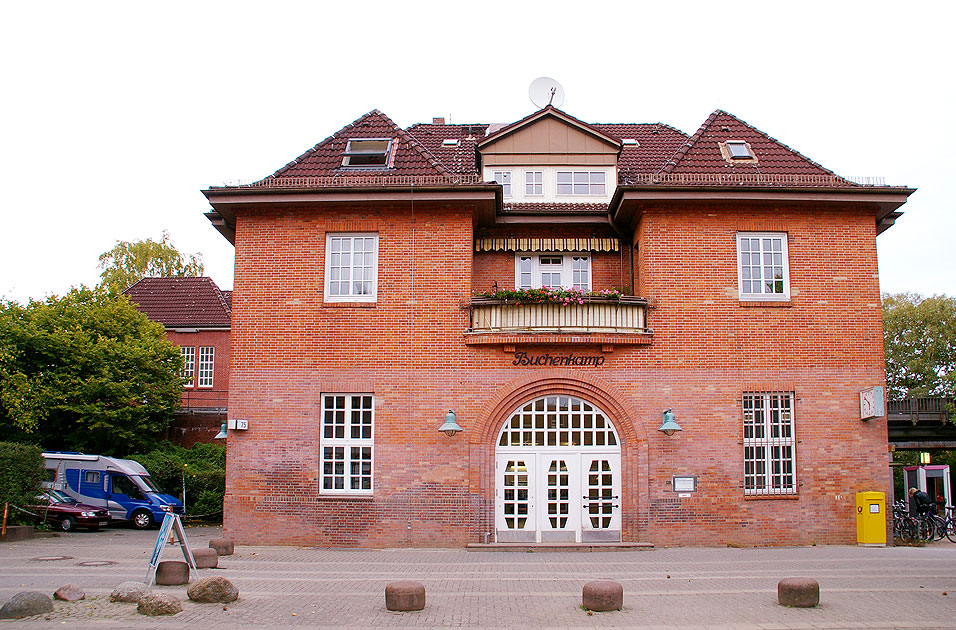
571	359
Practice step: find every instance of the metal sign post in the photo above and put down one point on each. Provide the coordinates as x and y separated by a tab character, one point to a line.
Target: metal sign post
171	524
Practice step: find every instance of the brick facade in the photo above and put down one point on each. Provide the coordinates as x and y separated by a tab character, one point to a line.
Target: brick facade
411	350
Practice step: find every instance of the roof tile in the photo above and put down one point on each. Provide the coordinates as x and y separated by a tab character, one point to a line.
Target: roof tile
182	302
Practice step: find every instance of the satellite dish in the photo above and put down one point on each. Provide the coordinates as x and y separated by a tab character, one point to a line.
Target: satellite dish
546	91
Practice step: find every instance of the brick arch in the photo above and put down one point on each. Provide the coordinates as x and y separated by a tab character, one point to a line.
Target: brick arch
561	382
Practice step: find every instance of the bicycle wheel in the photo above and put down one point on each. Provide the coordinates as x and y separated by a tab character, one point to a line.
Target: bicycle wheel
908	531
951	529
938	525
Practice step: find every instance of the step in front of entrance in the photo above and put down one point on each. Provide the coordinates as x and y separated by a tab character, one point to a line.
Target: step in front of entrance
535	547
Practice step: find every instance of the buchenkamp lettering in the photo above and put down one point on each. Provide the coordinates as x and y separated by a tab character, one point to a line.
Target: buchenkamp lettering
522	358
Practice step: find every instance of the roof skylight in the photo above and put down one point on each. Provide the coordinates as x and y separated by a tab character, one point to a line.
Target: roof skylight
450	142
630	142
367	152
739	150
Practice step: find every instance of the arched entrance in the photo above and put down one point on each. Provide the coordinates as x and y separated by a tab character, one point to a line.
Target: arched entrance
558	474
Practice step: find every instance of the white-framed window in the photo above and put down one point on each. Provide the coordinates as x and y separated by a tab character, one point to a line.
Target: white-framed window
769	457
367	153
763	272
581	182
189	364
351	267
565	270
504	178
347	430
207	366
534	183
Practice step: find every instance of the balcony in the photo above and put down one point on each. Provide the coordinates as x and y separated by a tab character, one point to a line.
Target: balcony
597	320
201	401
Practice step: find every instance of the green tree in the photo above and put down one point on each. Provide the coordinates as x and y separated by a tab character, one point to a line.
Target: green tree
919	337
85	372
129	262
22	466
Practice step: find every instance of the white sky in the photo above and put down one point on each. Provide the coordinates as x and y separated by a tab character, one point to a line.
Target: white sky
114	115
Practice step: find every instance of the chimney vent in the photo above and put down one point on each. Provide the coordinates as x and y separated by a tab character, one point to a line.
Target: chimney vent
438	121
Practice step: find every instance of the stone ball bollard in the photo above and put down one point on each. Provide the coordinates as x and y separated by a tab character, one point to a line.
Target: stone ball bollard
172	573
405	596
602	596
223	546
206	558
798	592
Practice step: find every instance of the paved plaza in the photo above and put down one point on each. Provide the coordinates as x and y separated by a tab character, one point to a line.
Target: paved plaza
301	587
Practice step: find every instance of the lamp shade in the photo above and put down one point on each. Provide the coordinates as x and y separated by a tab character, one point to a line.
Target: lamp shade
670	426
450	427
222	432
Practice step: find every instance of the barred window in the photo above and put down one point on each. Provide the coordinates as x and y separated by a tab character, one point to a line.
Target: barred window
189	364
769	458
207	364
347	422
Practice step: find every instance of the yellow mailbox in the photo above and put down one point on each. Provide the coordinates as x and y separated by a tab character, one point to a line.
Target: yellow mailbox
871	519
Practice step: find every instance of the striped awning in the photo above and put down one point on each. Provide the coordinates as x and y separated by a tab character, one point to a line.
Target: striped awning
547	245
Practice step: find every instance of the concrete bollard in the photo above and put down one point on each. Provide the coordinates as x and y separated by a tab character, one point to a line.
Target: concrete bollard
405	596
223	546
798	592
602	596
172	573
206	558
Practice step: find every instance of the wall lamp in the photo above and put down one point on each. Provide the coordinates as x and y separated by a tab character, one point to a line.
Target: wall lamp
450	427
924	458
222	432
670	426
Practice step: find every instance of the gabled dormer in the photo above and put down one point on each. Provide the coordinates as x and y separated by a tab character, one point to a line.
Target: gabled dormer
550	157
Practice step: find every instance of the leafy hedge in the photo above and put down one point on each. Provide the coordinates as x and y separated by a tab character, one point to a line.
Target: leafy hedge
22	471
203	467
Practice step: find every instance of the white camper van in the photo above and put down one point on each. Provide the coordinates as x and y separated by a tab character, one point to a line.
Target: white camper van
122	486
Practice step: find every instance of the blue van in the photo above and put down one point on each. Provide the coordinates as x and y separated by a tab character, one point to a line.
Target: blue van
122	486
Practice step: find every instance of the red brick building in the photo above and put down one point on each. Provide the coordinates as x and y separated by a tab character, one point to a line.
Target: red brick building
196	314
387	276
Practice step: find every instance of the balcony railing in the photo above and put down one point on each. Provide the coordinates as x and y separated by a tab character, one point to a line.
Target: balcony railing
203	401
628	315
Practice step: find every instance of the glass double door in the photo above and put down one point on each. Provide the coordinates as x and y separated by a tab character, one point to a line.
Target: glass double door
557	495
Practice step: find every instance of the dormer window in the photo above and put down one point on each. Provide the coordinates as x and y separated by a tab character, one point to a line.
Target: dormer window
739	150
367	152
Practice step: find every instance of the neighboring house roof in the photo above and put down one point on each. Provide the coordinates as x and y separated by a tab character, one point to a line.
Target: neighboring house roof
656	142
182	302
458	158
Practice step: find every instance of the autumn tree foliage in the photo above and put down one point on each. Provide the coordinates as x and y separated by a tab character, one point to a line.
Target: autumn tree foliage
129	262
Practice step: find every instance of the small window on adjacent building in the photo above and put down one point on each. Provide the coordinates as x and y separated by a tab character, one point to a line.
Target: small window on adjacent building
351	267
504	178
347	440
450	142
762	268
367	152
554	271
207	365
739	150
581	182
189	363
534	183
769	458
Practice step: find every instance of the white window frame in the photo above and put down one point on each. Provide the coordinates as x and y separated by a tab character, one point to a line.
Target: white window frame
569	274
534	184
347	442
595	183
330	268
769	440
739	150
778	259
189	365
206	366
503	178
362	148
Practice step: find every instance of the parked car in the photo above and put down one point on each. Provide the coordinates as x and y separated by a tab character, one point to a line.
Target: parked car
66	514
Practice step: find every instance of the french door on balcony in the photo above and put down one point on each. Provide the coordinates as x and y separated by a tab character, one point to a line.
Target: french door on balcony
558	474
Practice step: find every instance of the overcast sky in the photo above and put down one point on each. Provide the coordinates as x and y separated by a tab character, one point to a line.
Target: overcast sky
114	115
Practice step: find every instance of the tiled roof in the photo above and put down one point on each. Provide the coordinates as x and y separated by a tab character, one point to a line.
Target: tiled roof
182	302
655	144
325	158
554	208
457	159
701	154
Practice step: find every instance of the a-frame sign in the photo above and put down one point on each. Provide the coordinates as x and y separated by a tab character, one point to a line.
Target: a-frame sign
171	524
